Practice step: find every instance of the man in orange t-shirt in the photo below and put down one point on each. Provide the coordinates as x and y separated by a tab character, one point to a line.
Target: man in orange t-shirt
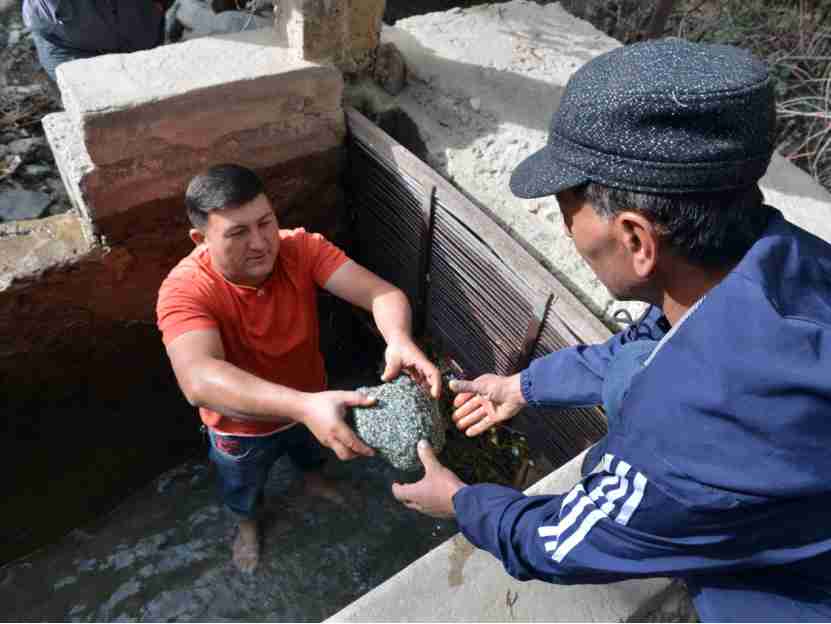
239	320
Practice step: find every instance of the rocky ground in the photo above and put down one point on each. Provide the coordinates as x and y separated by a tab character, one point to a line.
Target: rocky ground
30	185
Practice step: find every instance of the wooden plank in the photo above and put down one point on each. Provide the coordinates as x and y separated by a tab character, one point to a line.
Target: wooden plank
582	326
428	214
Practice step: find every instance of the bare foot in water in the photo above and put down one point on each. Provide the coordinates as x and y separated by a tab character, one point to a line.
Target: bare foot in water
315	484
246	548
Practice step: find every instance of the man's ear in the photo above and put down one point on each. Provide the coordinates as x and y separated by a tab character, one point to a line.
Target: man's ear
197	236
640	238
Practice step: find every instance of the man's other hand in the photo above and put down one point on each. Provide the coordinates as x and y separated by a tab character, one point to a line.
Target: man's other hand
405	356
486	401
433	495
323	414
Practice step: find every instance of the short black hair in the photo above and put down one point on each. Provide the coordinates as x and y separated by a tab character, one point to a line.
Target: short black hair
709	229
221	187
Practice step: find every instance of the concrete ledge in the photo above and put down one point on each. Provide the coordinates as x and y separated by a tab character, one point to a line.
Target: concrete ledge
117	81
139	126
457	583
191	95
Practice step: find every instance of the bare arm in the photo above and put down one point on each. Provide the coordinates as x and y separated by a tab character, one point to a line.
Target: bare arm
393	317
362	288
208	380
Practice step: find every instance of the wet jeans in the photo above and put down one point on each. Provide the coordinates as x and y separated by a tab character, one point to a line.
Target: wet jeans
243	464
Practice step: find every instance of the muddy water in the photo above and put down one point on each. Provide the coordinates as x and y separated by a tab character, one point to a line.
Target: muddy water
165	553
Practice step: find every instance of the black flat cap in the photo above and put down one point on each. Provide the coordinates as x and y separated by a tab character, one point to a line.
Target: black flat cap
665	116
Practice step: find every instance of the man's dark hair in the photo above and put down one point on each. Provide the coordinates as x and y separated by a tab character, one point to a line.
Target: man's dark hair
221	187
712	229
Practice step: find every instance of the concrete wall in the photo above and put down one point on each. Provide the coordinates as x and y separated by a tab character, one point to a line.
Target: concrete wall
138	126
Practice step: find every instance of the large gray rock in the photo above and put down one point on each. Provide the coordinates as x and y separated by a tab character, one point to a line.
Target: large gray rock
403	414
18	205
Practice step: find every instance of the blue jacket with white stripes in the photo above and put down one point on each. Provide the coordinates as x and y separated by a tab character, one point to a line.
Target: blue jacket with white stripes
716	466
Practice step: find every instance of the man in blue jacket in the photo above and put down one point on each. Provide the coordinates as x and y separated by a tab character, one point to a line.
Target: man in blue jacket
67	30
716	467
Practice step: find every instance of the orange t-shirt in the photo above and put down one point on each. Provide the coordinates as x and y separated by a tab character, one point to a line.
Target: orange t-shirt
271	331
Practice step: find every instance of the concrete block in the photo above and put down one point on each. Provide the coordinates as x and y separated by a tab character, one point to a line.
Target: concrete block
139	126
191	95
132	182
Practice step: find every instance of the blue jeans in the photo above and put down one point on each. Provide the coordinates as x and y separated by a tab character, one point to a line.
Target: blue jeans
628	362
243	463
51	54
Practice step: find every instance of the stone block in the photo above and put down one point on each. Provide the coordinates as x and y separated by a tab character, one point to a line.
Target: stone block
139	126
191	95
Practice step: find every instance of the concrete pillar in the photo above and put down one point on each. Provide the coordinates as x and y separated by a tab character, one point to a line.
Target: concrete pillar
343	32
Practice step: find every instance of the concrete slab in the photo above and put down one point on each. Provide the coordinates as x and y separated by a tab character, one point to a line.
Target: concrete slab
483	84
457	583
139	126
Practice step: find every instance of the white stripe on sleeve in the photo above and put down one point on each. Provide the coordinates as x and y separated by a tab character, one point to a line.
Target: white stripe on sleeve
631	504
579	535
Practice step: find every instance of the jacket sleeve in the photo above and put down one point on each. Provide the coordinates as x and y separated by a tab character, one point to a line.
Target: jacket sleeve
616	525
573	377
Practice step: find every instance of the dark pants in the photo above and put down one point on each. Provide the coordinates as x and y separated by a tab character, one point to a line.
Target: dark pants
51	54
243	464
